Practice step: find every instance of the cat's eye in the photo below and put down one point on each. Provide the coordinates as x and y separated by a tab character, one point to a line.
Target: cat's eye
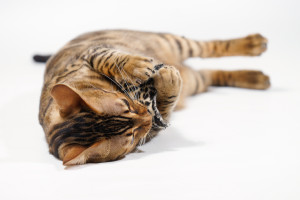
126	102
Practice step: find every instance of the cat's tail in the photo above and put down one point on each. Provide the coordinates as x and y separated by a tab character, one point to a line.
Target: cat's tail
41	58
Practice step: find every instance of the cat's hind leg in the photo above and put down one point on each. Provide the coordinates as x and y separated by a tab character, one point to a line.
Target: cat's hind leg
195	82
252	45
250	79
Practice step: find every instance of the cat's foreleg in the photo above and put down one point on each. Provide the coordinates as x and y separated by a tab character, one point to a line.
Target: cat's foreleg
168	84
120	66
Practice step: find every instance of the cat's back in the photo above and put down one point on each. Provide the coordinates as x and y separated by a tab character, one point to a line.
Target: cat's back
126	40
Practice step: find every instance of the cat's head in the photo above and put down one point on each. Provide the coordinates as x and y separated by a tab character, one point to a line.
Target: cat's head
98	124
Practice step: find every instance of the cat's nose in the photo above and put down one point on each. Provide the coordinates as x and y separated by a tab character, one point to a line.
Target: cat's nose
143	128
143	119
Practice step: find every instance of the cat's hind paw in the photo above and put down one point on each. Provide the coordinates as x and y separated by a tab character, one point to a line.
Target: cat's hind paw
252	79
255	44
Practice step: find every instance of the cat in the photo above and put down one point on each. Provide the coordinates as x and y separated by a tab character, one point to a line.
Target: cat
89	108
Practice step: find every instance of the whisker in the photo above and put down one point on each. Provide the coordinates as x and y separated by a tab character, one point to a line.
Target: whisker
131	90
92	85
118	84
128	78
132	140
123	78
126	82
140	142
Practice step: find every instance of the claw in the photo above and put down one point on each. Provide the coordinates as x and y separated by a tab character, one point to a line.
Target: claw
138	81
157	67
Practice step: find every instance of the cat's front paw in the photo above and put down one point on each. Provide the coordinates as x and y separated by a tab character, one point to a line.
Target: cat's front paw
168	82
138	69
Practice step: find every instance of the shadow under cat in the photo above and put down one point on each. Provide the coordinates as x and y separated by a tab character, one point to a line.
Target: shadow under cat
22	142
168	140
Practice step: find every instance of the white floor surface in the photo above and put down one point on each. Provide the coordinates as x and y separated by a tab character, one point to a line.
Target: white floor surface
228	144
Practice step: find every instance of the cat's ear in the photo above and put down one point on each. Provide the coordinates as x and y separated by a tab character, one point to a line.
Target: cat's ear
78	155
71	96
69	102
71	156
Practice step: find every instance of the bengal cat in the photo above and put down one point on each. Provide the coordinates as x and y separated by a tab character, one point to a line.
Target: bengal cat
106	92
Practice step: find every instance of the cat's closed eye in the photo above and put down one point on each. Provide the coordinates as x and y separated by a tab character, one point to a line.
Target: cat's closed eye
129	108
126	103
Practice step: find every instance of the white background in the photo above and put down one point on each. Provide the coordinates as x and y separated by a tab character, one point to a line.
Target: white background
228	143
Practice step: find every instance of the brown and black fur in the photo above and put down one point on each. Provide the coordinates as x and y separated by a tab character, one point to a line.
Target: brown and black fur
85	115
